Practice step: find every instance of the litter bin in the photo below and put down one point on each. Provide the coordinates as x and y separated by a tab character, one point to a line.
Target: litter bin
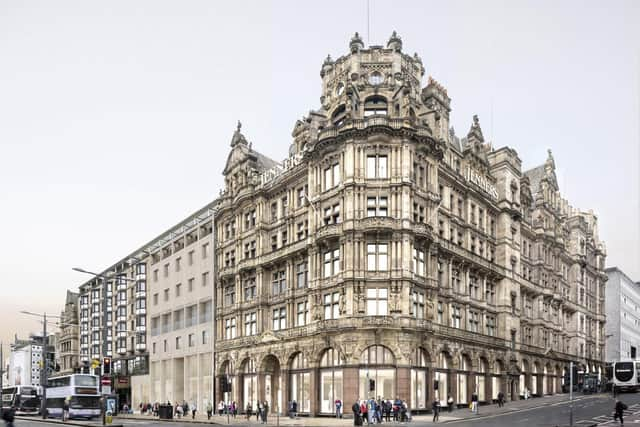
165	412
108	419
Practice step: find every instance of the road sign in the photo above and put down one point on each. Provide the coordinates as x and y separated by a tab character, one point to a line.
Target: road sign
105	381
106	389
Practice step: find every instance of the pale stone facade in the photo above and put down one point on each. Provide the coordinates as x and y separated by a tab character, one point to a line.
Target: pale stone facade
388	257
181	314
67	338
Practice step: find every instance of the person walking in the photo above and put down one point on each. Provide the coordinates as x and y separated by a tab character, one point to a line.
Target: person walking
450	403
357	420
338	406
619	411
194	409
294	407
9	415
500	399
65	409
435	406
220	408
209	410
474	403
265	412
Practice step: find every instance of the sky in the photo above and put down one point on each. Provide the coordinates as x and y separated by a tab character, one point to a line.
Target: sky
116	117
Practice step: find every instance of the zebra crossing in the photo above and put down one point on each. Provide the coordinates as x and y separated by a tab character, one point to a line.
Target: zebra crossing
603	420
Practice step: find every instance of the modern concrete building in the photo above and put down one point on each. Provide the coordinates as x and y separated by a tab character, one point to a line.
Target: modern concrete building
387	256
181	312
67	354
623	316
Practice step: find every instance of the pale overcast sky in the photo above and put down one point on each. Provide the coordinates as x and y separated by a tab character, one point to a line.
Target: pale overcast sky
116	116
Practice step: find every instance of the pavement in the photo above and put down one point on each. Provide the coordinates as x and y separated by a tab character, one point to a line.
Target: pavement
549	411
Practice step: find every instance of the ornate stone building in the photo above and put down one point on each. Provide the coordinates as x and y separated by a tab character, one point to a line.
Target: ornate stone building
389	257
67	338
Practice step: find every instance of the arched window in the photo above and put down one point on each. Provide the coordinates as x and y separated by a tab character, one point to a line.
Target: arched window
495	380
463	378
249	382
480	379
300	382
441	377
330	380
375	105
337	118
377	355
377	377
419	380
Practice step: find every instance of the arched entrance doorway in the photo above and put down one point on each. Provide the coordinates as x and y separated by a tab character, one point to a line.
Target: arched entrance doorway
271	388
300	382
419	394
330	380
226	378
377	373
441	383
249	381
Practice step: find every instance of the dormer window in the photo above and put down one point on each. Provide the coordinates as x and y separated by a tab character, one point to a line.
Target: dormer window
375	105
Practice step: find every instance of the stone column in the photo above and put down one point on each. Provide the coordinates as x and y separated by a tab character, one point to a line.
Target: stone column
314	394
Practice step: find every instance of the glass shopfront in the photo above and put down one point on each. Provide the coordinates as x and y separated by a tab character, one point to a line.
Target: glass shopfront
330	381
419	380
300	383
377	377
441	377
480	380
249	383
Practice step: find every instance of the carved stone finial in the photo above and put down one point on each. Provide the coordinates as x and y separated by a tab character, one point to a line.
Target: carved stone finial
239	125
476	120
395	42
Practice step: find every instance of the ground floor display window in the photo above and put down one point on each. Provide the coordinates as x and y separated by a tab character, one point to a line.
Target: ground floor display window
376	383
330	381
250	384
418	388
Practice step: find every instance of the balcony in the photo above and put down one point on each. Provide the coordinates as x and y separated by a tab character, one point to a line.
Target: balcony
141	347
122	350
141	277
379	223
283	252
141	311
141	329
463	253
329	231
141	294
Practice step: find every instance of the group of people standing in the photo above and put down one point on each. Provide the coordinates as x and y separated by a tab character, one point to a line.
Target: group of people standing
374	411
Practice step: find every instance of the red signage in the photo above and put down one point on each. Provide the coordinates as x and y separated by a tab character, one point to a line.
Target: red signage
123	381
105	381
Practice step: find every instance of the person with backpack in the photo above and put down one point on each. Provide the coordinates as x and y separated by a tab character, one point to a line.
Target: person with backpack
619	411
435	406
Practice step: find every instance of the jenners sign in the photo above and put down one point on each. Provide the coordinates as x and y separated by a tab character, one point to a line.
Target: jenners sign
278	170
482	182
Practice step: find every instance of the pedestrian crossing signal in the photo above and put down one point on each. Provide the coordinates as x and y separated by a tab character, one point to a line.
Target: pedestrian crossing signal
372	385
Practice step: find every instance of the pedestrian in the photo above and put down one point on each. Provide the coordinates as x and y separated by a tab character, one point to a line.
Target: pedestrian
220	408
474	402
619	411
209	410
500	399
364	412
357	420
265	412
258	411
179	410
9	415
338	406
65	409
249	411
193	410
450	403
387	410
294	407
435	406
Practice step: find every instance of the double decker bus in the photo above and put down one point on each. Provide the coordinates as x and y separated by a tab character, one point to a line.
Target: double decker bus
626	376
80	390
25	398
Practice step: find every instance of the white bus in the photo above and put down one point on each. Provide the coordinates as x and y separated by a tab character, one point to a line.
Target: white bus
81	391
626	376
25	398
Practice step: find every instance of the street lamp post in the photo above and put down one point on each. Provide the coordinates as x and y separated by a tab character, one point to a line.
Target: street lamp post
1	377
44	373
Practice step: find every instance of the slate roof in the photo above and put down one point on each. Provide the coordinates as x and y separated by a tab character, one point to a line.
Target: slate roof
535	175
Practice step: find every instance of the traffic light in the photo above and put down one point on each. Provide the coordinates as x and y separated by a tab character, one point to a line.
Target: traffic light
435	384
372	385
106	365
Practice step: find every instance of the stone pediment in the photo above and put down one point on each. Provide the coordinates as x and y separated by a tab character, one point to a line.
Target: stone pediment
237	156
